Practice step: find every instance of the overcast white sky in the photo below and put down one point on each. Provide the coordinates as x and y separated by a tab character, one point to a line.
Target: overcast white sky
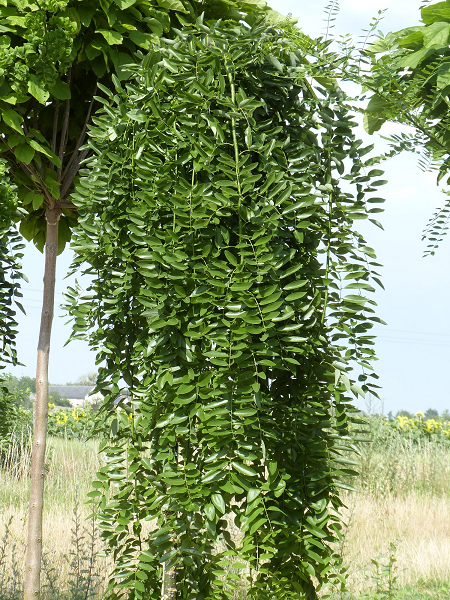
414	349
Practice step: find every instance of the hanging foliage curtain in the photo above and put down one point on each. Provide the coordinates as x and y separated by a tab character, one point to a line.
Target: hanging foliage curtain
10	254
10	276
229	293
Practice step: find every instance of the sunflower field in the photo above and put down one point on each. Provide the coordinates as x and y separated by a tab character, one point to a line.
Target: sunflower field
417	427
70	423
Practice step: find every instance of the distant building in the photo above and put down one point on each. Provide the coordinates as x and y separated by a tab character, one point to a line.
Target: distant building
78	395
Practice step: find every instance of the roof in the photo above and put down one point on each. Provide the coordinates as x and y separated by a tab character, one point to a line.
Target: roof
75	392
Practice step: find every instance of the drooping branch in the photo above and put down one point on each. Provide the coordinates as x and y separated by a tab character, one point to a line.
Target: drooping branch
274	287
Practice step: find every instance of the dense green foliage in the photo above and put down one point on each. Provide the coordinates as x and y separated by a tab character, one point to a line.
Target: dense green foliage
52	55
23	383
7	410
229	292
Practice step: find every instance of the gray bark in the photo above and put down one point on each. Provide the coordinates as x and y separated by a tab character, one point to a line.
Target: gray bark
34	545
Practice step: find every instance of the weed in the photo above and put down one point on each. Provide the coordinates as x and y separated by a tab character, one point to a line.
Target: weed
10	588
85	579
385	575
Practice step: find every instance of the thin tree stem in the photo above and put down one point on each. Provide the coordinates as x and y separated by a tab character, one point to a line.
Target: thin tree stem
81	137
64	129
72	173
35	116
169	584
55	129
34	543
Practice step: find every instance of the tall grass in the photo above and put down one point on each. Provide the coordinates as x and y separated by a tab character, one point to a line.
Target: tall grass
71	568
397	464
15	457
402	497
70	466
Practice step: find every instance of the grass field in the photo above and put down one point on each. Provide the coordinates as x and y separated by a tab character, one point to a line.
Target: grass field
71	466
402	498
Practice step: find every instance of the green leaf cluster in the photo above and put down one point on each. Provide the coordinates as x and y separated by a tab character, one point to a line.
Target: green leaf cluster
53	54
231	295
407	74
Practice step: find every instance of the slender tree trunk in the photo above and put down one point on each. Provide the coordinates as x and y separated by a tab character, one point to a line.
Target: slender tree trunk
34	547
169	583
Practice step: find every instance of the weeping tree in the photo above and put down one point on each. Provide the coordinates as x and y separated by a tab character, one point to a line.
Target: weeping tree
54	57
230	295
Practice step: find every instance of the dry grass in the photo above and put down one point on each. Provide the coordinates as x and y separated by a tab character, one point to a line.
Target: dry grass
71	466
57	534
418	526
418	522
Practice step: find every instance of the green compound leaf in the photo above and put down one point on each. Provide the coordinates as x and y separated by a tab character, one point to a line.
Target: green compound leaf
112	37
244	469
436	12
44	150
375	114
24	153
124	4
218	502
172	5
144	40
35	89
61	90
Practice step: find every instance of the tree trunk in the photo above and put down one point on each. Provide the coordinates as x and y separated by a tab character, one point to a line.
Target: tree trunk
169	583
34	547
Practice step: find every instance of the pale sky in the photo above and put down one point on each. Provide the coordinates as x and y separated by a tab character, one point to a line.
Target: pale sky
414	348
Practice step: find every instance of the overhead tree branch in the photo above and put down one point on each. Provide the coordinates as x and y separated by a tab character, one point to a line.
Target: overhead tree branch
67	205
